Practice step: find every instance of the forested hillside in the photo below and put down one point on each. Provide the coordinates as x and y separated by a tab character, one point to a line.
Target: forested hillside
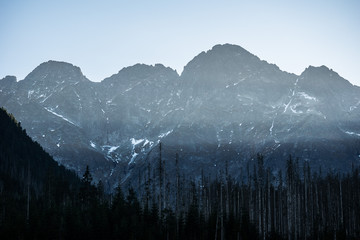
32	185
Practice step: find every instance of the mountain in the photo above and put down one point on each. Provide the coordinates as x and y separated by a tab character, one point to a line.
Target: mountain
226	106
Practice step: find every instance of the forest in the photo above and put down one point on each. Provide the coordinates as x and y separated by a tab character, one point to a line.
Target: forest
41	200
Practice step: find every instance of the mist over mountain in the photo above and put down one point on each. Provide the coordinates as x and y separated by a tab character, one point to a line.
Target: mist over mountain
226	106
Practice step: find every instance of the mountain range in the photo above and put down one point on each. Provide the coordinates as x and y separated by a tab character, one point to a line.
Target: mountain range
226	106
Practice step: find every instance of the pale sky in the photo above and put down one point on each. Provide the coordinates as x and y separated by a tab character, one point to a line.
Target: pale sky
102	37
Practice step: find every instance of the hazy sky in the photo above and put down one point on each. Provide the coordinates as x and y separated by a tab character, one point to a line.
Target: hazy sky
102	37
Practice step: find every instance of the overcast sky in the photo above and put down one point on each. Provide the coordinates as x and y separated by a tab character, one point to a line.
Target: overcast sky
102	37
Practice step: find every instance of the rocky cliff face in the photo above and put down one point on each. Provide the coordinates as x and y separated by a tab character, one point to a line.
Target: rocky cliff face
227	106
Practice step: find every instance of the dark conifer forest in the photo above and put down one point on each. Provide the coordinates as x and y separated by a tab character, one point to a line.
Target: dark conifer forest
41	200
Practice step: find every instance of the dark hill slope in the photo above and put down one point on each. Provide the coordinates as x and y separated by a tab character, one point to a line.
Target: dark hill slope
31	182
20	156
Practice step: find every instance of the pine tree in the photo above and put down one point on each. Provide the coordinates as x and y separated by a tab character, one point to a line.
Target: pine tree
87	190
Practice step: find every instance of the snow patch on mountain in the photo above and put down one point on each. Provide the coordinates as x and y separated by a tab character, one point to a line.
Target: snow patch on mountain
46	97
59	115
354	106
307	96
146	142
287	105
353	133
272	126
231	136
113	148
293	109
135	142
30	92
109	149
133	157
109	153
130	88
162	135
77	95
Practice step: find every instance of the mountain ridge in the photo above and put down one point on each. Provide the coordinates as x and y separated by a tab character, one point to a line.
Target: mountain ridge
215	47
227	105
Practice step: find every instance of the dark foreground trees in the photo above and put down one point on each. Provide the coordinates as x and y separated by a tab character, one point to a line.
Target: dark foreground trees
308	207
40	200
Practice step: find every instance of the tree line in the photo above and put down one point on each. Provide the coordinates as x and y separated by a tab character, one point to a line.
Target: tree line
41	200
299	203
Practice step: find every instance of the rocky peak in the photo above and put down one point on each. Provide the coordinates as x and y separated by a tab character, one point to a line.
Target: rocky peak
320	72
221	58
7	82
56	72
140	71
7	86
226	65
324	82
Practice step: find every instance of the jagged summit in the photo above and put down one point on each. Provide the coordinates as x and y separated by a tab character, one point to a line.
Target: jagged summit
322	79
57	65
230	48
220	56
8	80
227	60
6	86
141	71
56	71
320	70
233	68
